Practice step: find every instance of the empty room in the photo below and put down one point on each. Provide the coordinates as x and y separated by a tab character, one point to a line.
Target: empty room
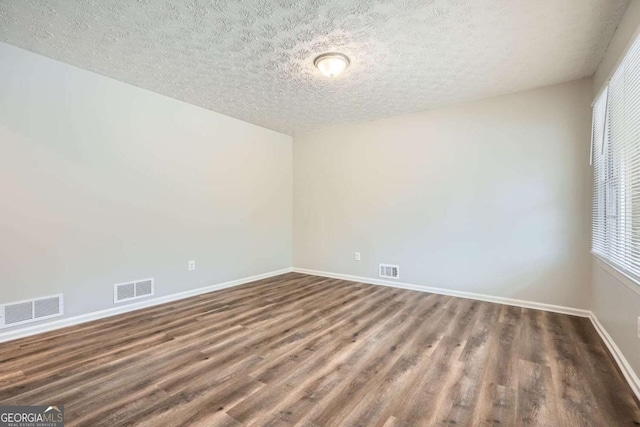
315	213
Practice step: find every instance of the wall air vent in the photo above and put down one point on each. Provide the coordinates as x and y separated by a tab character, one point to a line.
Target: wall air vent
28	311
132	290
389	271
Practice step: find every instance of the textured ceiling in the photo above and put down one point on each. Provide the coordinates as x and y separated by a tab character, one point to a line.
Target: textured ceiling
252	59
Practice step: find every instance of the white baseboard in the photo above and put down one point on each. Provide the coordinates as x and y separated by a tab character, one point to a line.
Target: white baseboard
75	320
449	292
627	370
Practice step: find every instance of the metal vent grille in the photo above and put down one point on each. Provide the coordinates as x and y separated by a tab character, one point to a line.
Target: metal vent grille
132	290
18	313
46	307
125	291
144	288
389	271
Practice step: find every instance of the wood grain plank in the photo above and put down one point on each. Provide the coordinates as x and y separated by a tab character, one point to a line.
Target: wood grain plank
311	351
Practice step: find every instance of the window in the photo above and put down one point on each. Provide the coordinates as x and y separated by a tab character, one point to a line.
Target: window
615	149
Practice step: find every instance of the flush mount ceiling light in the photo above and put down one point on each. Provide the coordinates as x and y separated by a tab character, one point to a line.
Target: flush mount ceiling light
331	64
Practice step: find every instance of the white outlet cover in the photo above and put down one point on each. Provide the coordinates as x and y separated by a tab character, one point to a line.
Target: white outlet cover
357	256
192	265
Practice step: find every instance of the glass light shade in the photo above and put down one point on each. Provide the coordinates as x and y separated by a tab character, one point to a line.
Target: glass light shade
331	64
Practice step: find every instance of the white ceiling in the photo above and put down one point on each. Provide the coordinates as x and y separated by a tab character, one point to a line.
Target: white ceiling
252	59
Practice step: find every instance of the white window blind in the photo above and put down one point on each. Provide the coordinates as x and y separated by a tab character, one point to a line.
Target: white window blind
615	153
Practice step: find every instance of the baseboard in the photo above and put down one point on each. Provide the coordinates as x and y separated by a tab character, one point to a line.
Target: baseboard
627	370
75	320
449	292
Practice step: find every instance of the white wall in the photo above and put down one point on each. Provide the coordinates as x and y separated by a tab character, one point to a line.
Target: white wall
491	197
616	304
102	182
616	299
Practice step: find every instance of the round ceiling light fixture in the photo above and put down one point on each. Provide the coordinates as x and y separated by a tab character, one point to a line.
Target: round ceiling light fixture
331	64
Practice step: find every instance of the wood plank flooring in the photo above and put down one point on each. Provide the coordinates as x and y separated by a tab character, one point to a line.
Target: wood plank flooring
297	350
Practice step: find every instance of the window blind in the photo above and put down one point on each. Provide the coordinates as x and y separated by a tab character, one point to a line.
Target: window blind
615	152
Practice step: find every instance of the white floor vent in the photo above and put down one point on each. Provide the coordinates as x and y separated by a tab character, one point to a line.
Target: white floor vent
28	311
132	290
389	271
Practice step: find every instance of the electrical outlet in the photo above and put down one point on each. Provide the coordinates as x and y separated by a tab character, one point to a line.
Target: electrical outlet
192	265
638	326
357	256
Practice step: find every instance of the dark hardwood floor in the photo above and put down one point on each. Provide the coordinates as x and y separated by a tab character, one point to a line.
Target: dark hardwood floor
310	351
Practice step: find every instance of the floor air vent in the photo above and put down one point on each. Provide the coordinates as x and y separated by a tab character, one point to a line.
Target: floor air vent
21	312
132	290
389	271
